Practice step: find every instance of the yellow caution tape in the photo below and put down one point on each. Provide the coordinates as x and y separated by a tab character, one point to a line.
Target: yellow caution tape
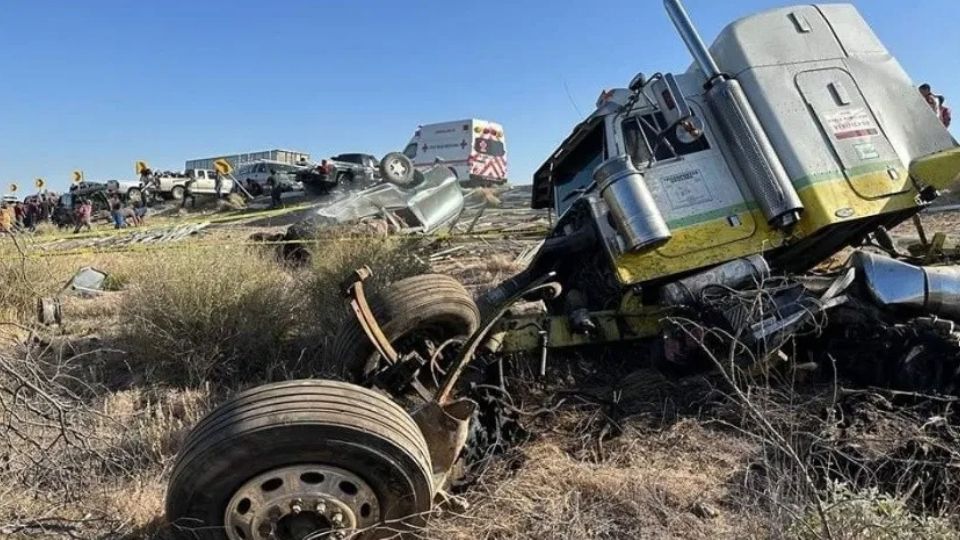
235	216
135	248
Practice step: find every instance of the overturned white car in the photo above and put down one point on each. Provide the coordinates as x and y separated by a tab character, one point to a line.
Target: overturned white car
421	202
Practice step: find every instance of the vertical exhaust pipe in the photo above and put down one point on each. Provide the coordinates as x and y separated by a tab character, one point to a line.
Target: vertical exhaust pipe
690	36
751	147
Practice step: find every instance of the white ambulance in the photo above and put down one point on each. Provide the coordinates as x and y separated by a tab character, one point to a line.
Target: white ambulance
475	150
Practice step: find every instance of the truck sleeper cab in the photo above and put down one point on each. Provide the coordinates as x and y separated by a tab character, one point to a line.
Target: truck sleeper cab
839	112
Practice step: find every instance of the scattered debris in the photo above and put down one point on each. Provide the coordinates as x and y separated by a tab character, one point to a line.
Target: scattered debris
127	238
704	510
431	203
86	282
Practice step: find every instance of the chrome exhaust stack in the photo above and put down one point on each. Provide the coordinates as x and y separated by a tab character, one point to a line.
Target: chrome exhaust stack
752	149
896	284
690	36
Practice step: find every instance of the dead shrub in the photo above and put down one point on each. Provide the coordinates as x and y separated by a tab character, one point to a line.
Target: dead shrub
235	201
833	462
81	463
869	513
205	314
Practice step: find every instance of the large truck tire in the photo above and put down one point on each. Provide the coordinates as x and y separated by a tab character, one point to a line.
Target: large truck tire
430	308
296	459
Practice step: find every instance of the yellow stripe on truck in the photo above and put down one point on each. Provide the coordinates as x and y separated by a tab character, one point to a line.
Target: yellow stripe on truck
709	239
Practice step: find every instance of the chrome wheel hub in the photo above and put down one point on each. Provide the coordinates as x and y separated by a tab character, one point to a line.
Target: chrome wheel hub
396	167
301	502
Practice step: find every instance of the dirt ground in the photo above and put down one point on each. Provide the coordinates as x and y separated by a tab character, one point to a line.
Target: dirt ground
602	448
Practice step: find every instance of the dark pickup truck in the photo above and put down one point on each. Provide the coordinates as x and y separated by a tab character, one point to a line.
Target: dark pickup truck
351	170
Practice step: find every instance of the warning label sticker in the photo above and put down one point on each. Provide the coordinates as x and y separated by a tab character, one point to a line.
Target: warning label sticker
686	189
851	124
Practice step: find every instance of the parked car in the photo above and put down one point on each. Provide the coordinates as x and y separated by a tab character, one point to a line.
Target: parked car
95	192
254	175
173	185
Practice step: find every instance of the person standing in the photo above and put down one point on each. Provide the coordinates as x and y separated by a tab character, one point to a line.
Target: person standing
147	180
218	183
18	215
275	189
46	208
188	195
83	216
945	116
32	215
116	212
6	219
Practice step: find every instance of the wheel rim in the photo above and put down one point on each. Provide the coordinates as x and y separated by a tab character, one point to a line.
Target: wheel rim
299	502
397	168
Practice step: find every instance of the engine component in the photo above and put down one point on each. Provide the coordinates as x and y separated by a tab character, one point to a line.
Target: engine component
733	274
639	221
893	283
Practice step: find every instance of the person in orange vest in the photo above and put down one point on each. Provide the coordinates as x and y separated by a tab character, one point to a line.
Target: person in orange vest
6	218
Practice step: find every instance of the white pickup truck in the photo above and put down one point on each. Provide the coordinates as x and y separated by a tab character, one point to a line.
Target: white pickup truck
130	190
173	185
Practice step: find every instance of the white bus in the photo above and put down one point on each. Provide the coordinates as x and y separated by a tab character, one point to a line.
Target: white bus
474	149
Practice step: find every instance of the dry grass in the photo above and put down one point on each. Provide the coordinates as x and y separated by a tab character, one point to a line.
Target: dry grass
871	513
648	484
88	454
81	461
209	315
26	274
489	271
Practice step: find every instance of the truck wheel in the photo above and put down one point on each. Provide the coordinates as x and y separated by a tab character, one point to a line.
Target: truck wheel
134	195
301	459
397	169
419	313
177	193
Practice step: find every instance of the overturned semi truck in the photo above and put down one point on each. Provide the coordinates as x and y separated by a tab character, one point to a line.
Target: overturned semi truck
683	196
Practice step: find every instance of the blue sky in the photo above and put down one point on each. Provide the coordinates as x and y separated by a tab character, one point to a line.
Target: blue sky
99	84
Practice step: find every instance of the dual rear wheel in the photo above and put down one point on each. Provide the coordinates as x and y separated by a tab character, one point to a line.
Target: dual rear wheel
317	458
